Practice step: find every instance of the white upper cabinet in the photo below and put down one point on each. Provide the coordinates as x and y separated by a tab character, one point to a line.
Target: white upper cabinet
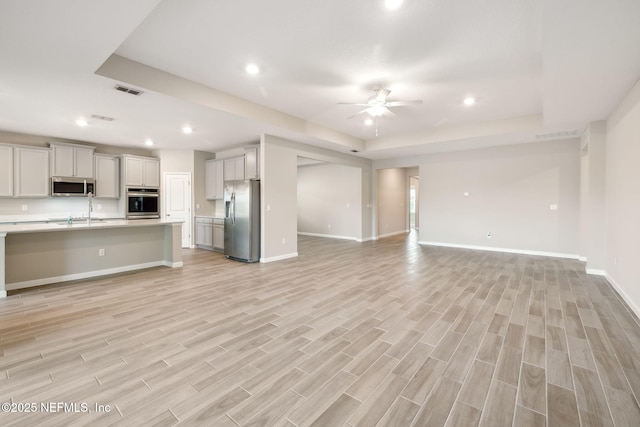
214	179
6	171
252	163
31	171
107	170
234	168
71	160
141	171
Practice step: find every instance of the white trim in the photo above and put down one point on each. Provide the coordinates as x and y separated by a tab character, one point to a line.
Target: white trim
173	264
330	236
582	258
632	305
3	294
395	233
596	272
507	250
368	239
89	274
279	257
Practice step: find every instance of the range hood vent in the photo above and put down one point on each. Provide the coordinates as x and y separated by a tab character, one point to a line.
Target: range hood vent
129	90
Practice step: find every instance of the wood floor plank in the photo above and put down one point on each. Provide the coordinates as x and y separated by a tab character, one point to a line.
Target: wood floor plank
500	405
387	333
476	385
532	389
562	406
437	407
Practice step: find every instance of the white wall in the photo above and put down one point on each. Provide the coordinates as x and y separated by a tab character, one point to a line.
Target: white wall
202	205
623	198
392	201
278	204
510	191
175	160
278	160
329	198
57	208
592	196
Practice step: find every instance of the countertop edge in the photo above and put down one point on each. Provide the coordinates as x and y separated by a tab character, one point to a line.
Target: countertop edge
53	227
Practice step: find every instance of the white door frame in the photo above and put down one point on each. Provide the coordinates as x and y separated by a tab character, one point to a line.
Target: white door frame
188	222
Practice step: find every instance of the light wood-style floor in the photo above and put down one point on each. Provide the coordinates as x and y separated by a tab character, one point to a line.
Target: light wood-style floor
383	333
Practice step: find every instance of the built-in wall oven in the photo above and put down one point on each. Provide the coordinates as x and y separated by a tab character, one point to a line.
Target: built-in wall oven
143	203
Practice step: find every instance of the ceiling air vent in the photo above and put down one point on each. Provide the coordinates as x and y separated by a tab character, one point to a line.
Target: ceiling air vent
556	135
129	90
105	118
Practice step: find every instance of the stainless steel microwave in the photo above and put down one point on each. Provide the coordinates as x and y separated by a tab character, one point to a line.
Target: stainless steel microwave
72	187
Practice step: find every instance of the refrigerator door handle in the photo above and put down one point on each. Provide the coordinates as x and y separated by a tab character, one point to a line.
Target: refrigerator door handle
233	208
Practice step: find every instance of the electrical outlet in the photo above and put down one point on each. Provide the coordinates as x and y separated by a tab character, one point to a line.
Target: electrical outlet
328	225
284	241
25	207
101	252
98	206
553	207
488	235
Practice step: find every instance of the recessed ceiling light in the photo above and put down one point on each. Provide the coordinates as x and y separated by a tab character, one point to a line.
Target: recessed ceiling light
148	142
187	130
392	4
368	122
469	101
252	69
81	122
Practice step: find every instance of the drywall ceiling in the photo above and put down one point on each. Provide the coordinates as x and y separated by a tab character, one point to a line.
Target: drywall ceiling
533	67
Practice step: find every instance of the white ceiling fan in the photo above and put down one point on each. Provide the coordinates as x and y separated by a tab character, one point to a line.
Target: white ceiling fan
378	104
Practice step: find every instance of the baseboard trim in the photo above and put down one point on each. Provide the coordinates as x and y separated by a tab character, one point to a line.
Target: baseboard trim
395	233
632	305
505	250
582	258
279	257
88	274
173	264
596	272
368	239
329	236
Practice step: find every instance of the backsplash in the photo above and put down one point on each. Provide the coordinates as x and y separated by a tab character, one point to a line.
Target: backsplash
56	207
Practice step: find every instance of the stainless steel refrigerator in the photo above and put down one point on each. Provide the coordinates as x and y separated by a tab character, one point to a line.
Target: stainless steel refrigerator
242	220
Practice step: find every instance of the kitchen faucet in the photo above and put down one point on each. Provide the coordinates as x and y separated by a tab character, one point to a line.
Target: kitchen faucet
90	197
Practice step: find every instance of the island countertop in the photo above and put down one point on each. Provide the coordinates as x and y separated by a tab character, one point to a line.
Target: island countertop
33	254
38	227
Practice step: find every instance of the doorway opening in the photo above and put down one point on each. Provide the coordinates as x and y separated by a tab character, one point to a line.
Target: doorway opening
414	184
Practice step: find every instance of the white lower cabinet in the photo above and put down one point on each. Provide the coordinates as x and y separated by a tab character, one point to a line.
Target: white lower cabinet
218	234
204	232
210	233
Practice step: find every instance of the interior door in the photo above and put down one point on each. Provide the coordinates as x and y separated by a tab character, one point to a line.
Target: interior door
177	202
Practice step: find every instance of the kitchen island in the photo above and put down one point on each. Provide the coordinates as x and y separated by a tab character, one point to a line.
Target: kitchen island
33	254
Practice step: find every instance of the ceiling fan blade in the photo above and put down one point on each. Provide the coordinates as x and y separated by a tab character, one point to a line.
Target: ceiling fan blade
388	113
352	103
358	113
403	103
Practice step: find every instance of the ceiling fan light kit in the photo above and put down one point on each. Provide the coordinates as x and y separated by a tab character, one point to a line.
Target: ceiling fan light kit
378	104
